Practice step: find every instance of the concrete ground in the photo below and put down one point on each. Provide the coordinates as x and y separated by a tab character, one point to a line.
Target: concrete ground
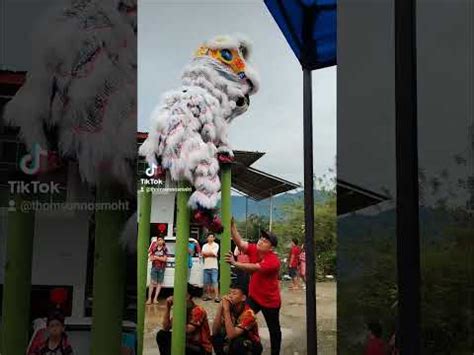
292	318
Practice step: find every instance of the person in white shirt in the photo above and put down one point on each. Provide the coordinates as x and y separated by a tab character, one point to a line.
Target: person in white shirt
209	253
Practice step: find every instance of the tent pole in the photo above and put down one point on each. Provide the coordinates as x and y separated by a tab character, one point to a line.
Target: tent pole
246	217
408	239
271	211
311	330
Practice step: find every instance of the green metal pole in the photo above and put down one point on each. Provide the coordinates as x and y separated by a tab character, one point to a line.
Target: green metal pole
144	213
17	282
226	210
109	278
178	339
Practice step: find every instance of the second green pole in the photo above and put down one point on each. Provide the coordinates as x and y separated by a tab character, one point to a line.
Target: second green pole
144	214
226	210
109	278
178	339
17	284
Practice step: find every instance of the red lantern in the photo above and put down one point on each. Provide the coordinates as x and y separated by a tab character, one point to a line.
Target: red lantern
58	296
162	227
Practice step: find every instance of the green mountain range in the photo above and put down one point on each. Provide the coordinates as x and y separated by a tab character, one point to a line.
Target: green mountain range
262	208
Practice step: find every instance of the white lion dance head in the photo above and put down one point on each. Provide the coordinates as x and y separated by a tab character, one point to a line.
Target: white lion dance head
79	99
188	136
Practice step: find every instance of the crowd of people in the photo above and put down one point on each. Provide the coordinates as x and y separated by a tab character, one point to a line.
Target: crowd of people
256	288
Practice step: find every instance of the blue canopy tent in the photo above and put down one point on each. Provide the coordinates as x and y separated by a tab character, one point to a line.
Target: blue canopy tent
309	27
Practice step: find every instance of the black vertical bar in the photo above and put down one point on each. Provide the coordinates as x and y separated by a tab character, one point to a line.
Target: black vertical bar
308	44
311	332
408	239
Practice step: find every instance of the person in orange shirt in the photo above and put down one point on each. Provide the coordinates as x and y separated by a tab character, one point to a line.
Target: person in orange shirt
235	328
198	332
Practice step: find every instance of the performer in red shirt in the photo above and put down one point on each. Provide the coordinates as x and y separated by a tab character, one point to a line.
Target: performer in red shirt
293	261
264	287
375	345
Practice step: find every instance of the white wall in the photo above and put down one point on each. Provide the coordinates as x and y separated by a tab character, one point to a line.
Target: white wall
59	252
162	209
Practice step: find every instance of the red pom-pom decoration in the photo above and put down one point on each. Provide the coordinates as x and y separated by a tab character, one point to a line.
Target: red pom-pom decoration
216	225
200	217
225	158
160	173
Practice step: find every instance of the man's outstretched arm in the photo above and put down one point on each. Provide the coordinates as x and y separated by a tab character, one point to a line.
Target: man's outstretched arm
236	237
247	267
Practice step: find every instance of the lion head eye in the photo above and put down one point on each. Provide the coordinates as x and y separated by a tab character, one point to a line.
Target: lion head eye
226	55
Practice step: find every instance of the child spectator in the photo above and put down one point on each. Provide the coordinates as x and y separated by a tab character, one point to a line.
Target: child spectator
158	254
198	333
54	341
235	328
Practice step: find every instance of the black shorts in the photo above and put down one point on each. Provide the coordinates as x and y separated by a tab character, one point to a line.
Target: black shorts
293	272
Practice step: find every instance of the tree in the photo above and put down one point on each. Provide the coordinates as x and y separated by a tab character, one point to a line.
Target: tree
292	226
250	229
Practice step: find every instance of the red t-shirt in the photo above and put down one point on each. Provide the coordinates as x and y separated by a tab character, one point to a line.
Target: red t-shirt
264	286
197	316
375	346
154	250
294	256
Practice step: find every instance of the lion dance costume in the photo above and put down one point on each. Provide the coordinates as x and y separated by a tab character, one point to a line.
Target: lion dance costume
79	98
188	136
